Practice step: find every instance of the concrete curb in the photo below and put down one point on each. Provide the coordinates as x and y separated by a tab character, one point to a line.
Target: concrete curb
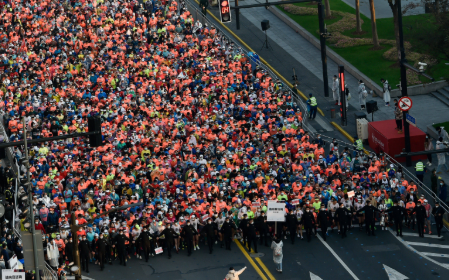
330	53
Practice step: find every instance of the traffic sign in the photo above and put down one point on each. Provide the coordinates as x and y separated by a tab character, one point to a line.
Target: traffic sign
411	120
405	103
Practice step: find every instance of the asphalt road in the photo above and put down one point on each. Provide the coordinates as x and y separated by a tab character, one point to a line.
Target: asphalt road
356	257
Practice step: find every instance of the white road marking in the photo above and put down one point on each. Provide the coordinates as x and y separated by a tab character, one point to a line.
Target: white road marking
338	258
299	263
82	277
428	245
435	255
446	266
314	277
393	274
417	235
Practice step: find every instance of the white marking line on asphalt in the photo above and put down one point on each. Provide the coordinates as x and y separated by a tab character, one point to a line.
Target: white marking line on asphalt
338	258
436	255
394	274
417	252
428	245
417	235
314	277
299	263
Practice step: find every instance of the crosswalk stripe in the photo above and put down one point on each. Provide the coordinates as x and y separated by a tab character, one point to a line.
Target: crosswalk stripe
417	235
435	255
428	245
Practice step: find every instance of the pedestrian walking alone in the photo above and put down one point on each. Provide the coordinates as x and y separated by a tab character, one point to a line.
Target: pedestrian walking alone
362	95
428	146
386	90
441	156
277	245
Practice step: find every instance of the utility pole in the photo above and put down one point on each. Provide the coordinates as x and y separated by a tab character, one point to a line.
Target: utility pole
30	201
237	14
408	159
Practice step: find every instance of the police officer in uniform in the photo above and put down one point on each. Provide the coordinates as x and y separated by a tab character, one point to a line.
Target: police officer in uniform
144	239
226	230
370	212
119	242
169	235
84	248
421	216
102	246
263	228
399	213
244	228
209	230
323	219
309	222
292	223
188	232
438	213
420	169
252	236
341	214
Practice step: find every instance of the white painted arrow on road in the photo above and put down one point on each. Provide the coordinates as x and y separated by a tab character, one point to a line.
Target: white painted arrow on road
314	277
393	274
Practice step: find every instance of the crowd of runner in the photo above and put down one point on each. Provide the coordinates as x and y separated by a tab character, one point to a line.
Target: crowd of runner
190	129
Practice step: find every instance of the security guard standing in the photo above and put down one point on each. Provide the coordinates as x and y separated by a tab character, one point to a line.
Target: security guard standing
188	232
358	143
9	195
420	169
252	236
370	218
244	228
421	215
119	242
169	235
313	106
203	5
398	216
226	230
292	223
145	240
309	222
263	228
209	230
323	218
438	213
84	250
102	246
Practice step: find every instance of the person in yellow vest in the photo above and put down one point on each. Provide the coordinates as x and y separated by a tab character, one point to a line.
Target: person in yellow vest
313	106
420	169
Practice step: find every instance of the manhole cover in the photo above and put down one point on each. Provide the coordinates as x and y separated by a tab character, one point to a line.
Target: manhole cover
435	273
257	255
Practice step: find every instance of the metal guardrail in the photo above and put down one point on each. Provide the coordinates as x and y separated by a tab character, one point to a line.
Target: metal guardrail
407	174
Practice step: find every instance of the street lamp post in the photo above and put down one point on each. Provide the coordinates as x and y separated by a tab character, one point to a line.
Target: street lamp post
404	84
30	200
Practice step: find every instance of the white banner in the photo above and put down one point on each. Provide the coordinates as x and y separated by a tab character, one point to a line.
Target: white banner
9	274
276	211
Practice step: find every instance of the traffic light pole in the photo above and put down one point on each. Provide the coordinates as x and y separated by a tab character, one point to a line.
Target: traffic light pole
47	139
30	201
